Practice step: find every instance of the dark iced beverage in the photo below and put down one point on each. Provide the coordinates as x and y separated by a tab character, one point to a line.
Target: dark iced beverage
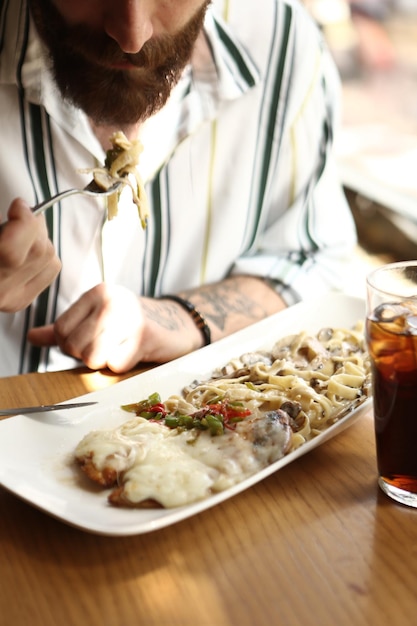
391	332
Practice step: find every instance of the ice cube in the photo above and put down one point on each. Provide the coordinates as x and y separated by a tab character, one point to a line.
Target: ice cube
412	324
391	312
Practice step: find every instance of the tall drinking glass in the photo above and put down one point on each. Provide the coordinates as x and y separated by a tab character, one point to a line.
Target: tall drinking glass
391	335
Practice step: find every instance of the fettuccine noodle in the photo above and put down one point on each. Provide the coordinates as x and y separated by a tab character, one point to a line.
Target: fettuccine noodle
316	379
120	166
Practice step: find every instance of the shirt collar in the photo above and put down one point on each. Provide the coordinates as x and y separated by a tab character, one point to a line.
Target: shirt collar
221	70
221	61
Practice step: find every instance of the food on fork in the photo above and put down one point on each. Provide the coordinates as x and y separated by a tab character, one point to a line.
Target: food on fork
121	161
248	414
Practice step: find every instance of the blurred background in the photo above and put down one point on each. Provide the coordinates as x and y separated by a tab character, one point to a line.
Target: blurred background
374	43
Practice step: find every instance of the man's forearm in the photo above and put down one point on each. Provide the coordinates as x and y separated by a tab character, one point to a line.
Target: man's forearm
234	303
172	328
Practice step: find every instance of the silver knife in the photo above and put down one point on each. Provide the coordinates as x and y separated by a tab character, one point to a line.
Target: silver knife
43	408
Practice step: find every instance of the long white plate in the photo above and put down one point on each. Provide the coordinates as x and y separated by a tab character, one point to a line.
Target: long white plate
35	450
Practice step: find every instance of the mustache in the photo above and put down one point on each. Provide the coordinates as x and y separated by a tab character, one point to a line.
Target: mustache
102	50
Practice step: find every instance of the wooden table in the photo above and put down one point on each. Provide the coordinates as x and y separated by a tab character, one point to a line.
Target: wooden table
314	544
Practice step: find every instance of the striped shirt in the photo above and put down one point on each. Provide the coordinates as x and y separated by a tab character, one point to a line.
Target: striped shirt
238	169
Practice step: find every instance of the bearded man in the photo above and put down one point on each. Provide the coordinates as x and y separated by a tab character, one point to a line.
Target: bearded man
235	103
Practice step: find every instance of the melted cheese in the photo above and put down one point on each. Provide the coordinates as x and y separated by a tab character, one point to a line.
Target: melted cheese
169	466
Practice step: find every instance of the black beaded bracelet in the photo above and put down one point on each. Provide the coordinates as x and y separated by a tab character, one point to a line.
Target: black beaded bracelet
198	319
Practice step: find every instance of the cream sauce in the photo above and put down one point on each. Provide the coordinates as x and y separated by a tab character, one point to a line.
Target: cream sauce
176	467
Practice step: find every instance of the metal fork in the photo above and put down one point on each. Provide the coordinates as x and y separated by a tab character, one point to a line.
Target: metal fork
92	189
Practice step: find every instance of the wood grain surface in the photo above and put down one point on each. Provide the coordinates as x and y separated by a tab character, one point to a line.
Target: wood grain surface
315	544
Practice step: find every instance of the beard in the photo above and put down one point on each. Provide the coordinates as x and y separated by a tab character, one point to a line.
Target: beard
83	65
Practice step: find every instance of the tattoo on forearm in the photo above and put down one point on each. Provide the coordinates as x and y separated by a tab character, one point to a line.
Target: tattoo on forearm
221	301
165	314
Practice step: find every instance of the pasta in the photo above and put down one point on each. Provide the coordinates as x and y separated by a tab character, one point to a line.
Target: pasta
121	163
315	378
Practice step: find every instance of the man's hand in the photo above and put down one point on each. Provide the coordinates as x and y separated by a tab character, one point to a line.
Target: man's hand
112	327
109	326
28	262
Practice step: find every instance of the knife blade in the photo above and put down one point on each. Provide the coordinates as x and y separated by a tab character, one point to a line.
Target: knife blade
42	408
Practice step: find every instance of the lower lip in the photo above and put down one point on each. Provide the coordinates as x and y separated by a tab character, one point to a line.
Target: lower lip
123	65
